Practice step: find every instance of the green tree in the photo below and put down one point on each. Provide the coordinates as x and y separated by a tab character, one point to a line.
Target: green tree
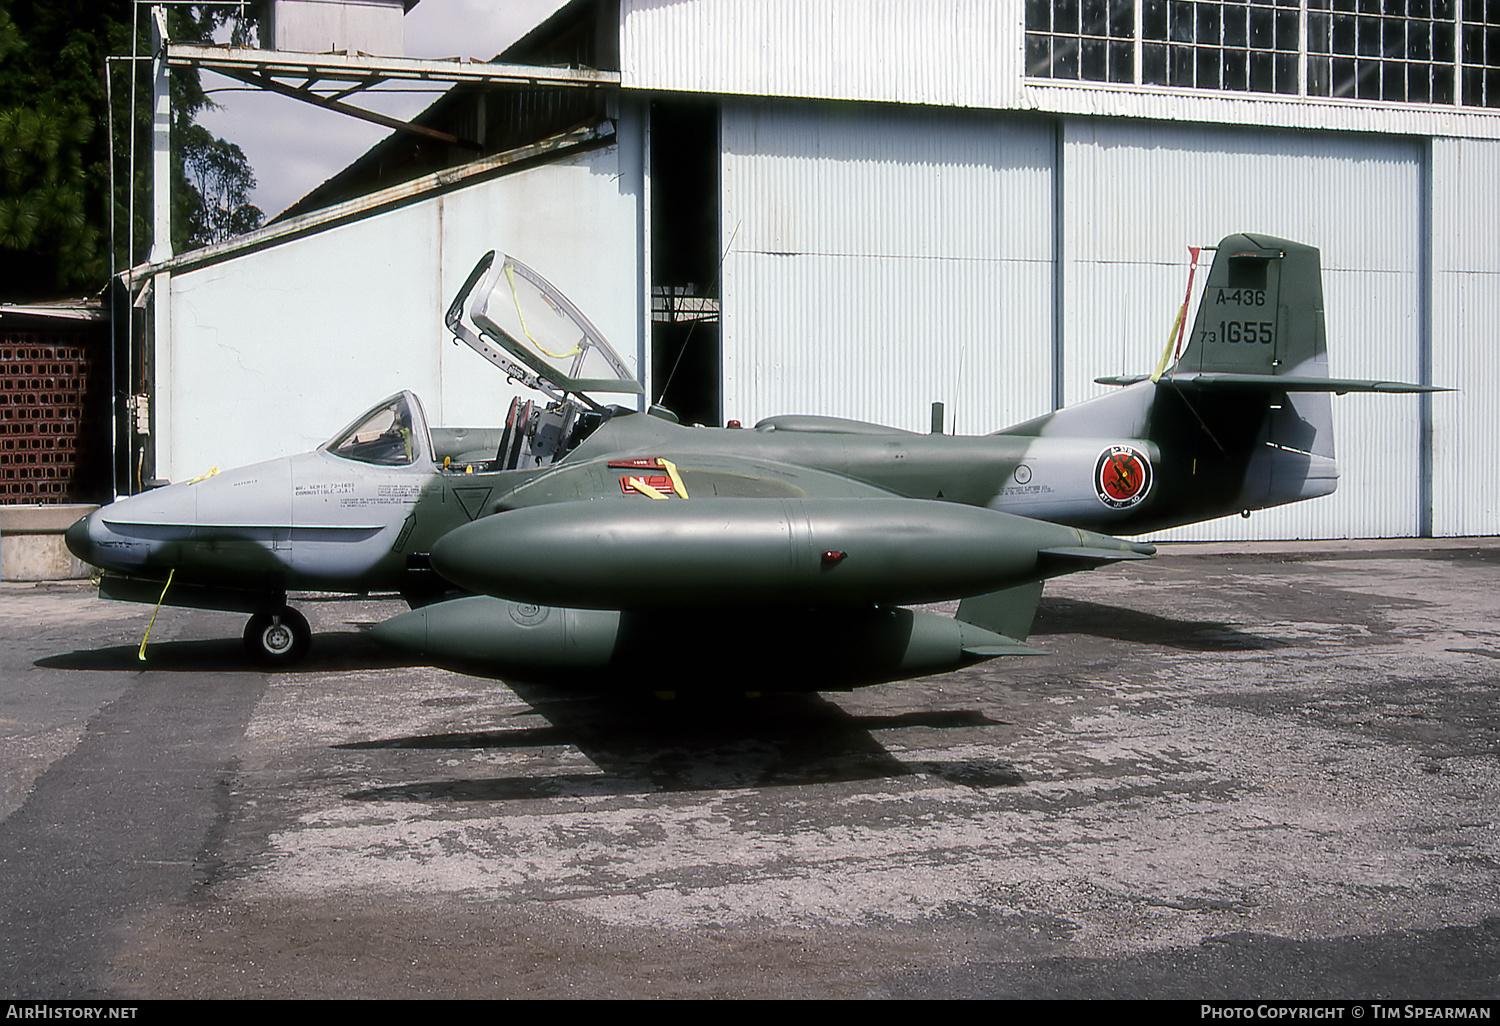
219	181
42	195
55	169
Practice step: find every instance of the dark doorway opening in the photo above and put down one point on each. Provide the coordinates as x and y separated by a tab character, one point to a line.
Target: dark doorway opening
685	347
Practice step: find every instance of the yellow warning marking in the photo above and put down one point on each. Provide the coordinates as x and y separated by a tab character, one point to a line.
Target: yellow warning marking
671	469
141	655
645	489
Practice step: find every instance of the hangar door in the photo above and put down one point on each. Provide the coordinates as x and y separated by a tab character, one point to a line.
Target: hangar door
1136	195
880	259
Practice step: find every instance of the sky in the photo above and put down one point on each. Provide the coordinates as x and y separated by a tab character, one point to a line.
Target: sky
294	146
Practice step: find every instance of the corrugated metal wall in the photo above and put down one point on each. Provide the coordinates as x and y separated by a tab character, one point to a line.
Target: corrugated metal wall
1465	316
960	53
847	245
965	53
880	259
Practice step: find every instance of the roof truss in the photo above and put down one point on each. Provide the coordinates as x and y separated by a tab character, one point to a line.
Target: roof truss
297	75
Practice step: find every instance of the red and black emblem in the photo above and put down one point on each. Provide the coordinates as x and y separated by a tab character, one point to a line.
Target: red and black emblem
1122	477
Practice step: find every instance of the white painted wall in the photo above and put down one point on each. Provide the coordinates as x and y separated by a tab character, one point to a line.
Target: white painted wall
272	352
959	53
966	53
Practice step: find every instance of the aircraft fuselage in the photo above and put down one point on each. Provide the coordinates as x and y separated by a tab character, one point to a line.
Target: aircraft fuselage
319	522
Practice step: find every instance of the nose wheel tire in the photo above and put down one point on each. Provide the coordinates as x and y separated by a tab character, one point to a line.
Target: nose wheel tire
279	638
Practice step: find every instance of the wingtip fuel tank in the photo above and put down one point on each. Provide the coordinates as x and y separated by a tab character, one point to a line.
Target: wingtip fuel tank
773	594
692	649
821	553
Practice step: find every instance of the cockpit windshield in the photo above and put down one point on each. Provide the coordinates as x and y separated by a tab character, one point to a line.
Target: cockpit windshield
390	435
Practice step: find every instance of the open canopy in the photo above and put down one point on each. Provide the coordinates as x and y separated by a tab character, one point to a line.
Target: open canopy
541	327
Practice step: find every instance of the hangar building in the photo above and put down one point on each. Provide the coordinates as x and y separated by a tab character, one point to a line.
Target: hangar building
857	209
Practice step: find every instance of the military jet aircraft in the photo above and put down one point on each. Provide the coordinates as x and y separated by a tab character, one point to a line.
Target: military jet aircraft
591	542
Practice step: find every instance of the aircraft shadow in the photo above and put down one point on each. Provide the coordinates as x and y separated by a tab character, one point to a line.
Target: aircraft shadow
644	746
1076	616
338	650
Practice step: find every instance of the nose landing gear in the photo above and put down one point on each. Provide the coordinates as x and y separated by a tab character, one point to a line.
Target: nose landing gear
278	639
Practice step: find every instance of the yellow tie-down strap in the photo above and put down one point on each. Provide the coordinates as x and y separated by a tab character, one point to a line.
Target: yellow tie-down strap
141	654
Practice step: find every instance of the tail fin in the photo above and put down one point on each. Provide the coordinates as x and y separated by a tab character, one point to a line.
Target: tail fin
1259	333
1261	312
1243	420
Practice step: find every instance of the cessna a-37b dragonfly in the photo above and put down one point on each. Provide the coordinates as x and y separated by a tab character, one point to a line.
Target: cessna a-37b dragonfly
584	542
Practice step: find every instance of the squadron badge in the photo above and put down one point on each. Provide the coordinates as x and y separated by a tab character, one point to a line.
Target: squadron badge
1122	477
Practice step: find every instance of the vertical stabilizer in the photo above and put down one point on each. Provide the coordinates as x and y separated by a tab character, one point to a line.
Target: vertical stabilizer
1260	319
1261	312
1244	419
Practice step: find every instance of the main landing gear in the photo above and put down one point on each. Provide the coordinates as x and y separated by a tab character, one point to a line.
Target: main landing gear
278	639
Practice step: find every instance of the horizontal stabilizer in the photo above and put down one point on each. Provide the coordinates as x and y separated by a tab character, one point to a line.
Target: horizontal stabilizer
1085	557
1013	648
1280	382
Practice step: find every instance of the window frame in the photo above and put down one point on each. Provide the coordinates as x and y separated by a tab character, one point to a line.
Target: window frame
1449	56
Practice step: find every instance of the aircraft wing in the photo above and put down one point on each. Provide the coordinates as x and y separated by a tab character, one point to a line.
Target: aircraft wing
643	569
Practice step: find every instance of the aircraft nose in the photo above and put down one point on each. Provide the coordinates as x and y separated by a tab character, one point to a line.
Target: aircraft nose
94	542
78	539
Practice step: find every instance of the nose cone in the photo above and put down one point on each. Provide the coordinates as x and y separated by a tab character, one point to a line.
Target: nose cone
78	539
95	541
462	554
405	631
